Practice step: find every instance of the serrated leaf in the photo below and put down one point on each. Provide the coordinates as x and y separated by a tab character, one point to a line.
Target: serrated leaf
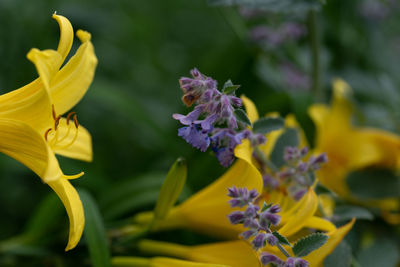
170	190
347	212
229	87
374	183
308	244
283	240
289	138
241	116
266	125
95	233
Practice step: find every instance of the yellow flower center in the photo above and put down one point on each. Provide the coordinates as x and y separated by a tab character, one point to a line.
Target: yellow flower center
60	139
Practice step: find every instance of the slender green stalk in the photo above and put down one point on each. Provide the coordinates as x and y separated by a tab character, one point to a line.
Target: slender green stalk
315	53
261	157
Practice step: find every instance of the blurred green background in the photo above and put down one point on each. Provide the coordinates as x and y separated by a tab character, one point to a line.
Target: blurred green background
143	48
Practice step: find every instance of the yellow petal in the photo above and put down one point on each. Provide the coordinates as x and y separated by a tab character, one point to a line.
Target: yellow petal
316	257
47	63
251	109
70	198
73	143
66	35
71	83
233	253
212	201
319	224
23	143
30	104
305	211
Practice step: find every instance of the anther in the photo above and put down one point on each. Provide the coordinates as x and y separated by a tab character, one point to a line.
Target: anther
47	133
76	121
69	116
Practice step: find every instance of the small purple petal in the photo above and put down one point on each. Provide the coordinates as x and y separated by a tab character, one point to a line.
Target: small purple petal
267	258
236	217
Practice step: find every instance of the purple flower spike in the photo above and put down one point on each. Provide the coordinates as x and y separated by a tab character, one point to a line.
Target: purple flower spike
259	241
267	217
195	137
236	217
267	258
251	211
271	239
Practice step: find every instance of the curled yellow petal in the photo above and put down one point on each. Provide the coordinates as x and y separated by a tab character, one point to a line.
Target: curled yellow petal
251	109
73	142
47	63
23	143
30	104
70	198
316	257
71	83
305	210
66	35
319	224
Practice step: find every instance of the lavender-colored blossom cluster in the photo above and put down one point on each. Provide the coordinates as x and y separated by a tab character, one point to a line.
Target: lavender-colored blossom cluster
213	108
258	221
296	175
275	37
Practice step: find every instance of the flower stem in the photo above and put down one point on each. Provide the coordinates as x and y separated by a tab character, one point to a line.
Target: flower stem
263	159
283	250
315	49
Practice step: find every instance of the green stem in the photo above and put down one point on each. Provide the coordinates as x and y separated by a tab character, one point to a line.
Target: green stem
260	156
315	52
130	261
283	250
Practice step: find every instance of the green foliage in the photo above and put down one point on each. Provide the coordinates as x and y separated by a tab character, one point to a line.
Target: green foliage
290	137
265	206
170	190
347	212
241	116
308	244
341	256
374	183
283	240
269	124
229	87
95	233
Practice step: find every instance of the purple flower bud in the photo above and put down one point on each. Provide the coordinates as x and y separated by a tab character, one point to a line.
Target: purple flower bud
259	241
304	151
302	263
275	209
251	211
236	217
251	223
267	217
253	194
290	262
236	101
270	181
233	192
317	161
295	262
247	234
189	118
207	123
298	194
302	167
271	239
267	258
236	203
225	156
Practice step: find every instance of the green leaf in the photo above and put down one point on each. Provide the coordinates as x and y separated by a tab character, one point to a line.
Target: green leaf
383	252
95	233
374	183
229	87
283	240
289	138
347	212
308	244
241	116
341	256
265	206
266	125
170	190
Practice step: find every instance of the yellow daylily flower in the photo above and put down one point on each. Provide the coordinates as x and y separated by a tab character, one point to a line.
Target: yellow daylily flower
351	148
32	129
239	253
